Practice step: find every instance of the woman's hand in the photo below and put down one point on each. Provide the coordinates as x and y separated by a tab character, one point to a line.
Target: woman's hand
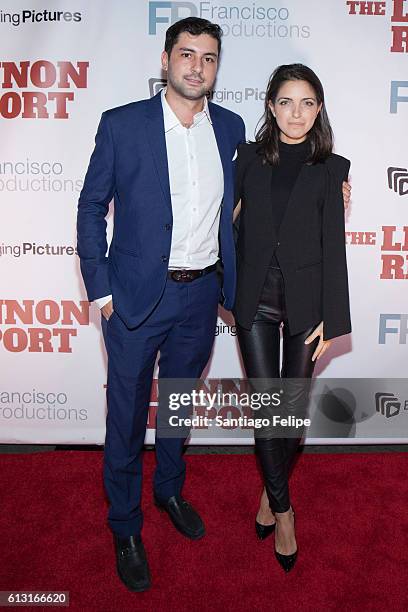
323	344
346	188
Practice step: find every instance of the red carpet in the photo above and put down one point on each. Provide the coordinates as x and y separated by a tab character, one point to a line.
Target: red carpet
352	531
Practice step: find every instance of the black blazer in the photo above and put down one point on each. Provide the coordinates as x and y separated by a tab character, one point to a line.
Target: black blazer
310	247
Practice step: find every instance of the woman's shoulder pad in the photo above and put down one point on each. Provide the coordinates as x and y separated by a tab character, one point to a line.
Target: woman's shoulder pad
338	163
248	148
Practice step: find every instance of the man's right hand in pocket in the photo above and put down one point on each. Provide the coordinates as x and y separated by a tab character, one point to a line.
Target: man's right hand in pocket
107	310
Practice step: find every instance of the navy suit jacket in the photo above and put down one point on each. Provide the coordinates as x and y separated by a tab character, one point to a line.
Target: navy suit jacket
129	163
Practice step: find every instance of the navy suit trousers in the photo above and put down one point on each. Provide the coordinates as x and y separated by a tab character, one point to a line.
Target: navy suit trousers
182	329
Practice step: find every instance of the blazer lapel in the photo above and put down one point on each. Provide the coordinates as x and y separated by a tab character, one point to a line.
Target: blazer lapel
265	187
157	141
297	194
263	201
221	137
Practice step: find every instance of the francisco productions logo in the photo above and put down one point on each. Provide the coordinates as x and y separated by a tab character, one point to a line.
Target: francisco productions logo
253	20
399	19
398	180
23	79
389	405
393	324
30	16
35	405
45	326
29	175
395	96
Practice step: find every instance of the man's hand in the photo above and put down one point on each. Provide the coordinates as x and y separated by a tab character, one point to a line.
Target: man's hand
107	310
323	344
346	194
236	212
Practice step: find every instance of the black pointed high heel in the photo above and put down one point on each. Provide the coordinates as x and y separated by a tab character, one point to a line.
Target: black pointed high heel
263	531
287	562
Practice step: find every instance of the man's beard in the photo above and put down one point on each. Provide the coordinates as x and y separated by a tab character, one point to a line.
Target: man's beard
184	90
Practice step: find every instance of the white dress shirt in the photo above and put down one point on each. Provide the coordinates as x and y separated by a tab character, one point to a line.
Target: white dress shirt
196	189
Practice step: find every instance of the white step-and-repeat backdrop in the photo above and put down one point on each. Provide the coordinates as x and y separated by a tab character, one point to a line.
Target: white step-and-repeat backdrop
63	63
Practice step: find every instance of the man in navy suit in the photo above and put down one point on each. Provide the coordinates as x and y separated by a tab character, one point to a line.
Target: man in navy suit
167	162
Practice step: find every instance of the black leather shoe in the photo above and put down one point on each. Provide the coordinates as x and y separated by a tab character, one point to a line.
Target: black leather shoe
183	516
287	562
263	531
131	563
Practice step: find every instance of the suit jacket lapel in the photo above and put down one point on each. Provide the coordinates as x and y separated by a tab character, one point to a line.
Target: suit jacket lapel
221	137
157	141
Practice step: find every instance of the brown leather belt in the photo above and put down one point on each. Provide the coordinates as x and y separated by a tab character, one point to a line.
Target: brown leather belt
186	276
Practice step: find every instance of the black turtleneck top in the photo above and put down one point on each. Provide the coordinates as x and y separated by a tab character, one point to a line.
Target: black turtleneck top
283	178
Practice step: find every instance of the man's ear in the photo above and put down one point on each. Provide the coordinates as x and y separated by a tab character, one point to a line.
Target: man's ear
164	60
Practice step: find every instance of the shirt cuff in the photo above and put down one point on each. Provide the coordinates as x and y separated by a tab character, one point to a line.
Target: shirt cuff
100	302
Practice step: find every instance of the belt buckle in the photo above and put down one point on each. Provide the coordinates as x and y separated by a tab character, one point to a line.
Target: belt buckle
182	276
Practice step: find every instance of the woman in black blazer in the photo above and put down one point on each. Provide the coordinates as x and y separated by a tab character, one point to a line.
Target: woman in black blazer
291	260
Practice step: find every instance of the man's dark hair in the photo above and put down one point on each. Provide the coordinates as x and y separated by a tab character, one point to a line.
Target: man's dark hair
194	26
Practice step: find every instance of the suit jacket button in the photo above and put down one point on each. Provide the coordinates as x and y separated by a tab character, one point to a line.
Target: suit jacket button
278	244
167	227
163	258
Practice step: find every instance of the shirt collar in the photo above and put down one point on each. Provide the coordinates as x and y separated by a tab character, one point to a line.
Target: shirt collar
170	118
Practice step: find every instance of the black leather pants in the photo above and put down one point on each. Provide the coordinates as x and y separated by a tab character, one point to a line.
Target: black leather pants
260	349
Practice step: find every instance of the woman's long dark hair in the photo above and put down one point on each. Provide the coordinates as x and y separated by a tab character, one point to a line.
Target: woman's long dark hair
320	135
